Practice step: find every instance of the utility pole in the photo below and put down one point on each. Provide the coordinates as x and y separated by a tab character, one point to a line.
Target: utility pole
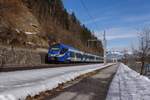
105	46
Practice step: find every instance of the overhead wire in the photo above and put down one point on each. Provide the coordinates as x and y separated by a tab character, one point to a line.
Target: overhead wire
88	13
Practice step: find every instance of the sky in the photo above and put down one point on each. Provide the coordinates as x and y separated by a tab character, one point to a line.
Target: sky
121	19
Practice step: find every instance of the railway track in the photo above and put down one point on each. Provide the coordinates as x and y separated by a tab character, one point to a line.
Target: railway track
9	68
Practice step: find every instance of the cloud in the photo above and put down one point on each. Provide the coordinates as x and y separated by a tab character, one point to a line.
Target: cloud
118	33
95	20
120	37
124	37
137	18
125	19
121	33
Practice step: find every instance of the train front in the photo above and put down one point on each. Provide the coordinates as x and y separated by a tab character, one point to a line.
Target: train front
57	53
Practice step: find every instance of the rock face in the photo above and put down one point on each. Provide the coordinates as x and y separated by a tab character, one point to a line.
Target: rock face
19	56
39	23
16	20
44	20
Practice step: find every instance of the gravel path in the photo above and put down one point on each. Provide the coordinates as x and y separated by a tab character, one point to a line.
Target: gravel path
91	88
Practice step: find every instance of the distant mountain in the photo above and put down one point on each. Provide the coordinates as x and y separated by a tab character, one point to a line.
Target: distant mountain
117	54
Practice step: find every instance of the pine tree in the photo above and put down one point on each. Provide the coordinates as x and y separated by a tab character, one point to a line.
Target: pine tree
66	20
74	19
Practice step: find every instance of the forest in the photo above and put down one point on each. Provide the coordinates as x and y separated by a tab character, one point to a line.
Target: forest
40	23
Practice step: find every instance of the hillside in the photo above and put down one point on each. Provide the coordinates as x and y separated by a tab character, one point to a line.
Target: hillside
40	23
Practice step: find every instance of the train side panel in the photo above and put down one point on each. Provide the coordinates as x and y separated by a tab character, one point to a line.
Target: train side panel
64	53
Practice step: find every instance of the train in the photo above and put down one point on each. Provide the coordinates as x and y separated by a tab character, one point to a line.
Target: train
66	54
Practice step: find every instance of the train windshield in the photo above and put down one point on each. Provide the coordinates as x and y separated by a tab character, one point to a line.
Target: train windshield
54	49
63	50
57	49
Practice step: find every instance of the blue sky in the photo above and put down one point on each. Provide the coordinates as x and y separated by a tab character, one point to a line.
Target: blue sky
122	19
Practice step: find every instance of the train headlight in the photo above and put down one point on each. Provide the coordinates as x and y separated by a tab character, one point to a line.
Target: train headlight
51	55
61	55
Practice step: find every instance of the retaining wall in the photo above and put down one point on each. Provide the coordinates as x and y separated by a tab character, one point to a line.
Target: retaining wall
18	56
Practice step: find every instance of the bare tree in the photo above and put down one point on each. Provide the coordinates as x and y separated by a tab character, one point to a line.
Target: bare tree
144	46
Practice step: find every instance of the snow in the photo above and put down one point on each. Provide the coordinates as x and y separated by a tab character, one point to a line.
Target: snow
29	33
129	85
19	84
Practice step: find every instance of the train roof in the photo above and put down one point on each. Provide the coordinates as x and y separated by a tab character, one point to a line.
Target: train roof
64	46
69	47
73	49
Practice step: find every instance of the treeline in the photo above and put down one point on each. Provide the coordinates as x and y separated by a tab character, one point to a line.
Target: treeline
53	10
47	19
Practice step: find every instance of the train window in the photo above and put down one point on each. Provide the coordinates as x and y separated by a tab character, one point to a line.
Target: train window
64	50
88	57
91	57
72	54
79	55
54	48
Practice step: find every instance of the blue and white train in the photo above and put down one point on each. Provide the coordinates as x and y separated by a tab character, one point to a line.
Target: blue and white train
65	54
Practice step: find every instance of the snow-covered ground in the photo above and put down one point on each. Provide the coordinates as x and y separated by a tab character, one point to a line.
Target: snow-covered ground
129	85
19	84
